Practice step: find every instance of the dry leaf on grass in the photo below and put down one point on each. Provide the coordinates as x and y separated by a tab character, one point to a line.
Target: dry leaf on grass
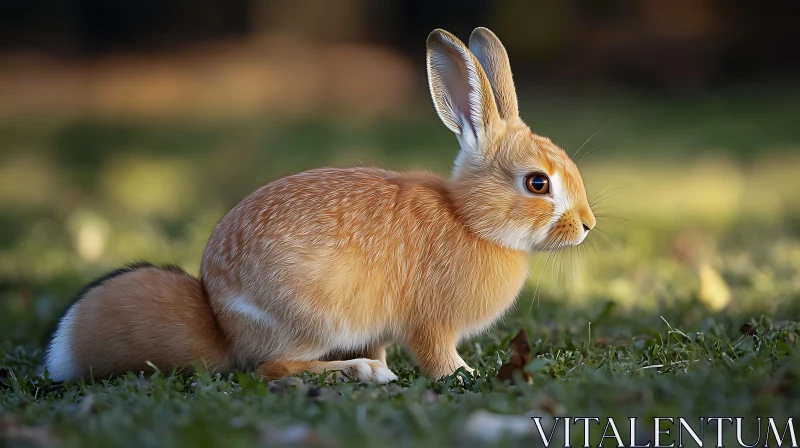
521	355
748	329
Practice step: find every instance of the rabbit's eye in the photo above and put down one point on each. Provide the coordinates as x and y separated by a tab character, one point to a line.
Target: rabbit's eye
537	184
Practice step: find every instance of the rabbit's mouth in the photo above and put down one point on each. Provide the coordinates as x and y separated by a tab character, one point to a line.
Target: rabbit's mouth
563	232
568	230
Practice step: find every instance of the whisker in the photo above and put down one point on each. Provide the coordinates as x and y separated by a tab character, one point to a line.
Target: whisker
538	285
604	186
553	277
621	218
546	250
617	187
559	276
588	139
593	245
608	211
592	149
608	193
579	250
585	255
569	272
604	202
603	235
600	197
539	258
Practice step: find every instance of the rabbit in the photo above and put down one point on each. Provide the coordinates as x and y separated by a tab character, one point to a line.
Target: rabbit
322	270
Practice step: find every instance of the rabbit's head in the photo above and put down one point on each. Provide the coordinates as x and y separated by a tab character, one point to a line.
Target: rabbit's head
509	185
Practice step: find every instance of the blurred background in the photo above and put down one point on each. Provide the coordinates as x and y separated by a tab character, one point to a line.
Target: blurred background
127	129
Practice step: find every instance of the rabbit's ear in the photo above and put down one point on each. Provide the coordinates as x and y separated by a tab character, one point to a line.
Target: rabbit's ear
492	56
461	92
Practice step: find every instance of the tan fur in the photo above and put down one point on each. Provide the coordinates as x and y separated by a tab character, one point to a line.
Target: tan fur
366	250
149	314
322	270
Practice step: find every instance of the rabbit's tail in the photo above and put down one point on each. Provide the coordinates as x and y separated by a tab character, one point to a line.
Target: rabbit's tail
137	318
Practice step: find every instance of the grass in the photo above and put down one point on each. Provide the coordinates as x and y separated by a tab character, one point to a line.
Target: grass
692	366
687	305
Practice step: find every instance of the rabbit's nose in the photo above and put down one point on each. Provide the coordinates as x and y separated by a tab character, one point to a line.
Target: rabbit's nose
587	219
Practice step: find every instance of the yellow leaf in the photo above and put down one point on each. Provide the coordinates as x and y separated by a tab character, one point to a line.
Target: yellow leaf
714	291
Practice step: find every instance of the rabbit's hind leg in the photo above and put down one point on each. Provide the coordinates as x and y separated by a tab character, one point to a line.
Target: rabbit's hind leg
359	369
376	352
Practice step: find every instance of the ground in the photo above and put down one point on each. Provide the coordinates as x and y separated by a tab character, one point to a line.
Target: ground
685	304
